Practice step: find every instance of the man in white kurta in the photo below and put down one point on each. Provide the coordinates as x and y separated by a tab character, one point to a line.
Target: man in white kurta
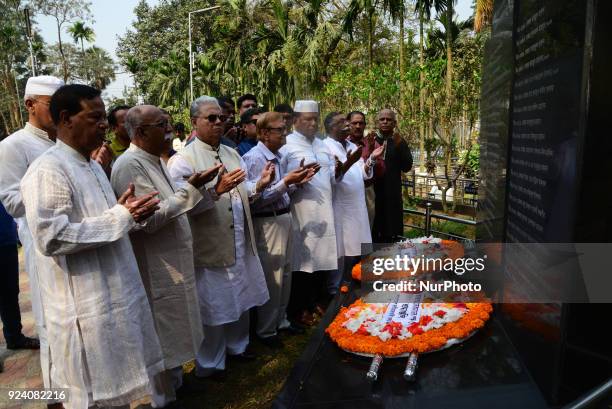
164	246
314	252
350	211
17	152
229	276
102	339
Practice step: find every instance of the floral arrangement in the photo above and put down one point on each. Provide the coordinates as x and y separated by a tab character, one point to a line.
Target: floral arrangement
361	328
440	248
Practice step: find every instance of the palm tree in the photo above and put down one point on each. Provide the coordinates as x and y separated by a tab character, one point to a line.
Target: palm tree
170	80
437	38
483	15
100	67
395	8
133	67
448	5
79	32
423	9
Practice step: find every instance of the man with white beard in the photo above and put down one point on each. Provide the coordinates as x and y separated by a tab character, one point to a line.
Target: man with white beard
164	246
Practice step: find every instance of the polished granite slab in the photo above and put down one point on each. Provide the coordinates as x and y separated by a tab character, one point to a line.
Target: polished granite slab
483	372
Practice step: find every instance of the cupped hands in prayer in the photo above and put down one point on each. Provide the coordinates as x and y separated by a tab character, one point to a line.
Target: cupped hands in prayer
351	159
199	179
301	175
266	177
141	207
229	180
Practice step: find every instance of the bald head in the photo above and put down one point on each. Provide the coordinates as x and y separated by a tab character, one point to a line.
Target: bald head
386	113
385	120
147	127
138	115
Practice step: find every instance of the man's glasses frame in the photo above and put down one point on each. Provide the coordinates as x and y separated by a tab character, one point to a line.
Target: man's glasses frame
212	118
281	129
163	124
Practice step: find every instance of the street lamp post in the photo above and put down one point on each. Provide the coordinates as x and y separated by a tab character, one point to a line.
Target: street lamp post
190	52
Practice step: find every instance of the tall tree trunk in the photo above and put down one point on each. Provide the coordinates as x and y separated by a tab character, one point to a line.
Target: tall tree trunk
85	68
447	184
449	51
7	129
401	42
61	50
402	63
13	100
421	90
17	100
136	88
370	36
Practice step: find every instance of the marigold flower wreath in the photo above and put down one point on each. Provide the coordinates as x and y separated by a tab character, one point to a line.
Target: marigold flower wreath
359	328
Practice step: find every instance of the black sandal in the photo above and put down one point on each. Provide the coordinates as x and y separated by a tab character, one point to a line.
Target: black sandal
24	343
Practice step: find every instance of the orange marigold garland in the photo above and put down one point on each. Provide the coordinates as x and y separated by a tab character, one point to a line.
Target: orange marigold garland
361	341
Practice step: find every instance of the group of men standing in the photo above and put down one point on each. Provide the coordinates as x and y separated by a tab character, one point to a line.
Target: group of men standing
139	264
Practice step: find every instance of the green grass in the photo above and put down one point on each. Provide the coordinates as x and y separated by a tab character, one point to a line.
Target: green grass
438	225
252	385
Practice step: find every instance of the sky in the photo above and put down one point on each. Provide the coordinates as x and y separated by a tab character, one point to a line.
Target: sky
115	17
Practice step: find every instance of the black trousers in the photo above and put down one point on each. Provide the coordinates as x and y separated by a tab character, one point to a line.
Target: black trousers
9	294
307	290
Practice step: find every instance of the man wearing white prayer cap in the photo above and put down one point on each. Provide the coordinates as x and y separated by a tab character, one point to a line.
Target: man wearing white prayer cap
17	152
314	252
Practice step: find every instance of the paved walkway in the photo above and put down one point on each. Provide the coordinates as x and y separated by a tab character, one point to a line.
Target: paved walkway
21	368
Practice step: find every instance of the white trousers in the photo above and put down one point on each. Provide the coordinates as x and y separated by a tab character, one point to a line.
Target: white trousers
165	385
29	251
273	237
220	340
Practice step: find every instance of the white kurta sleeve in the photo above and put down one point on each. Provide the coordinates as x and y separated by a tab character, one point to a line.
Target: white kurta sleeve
368	172
184	199
180	170
12	168
48	199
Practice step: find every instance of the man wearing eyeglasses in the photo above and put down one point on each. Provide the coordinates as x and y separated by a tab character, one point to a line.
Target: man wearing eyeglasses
163	247
248	120
272	224
229	276
17	152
